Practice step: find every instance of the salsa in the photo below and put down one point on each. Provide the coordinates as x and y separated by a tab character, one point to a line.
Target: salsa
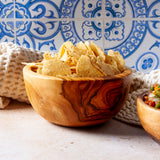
153	97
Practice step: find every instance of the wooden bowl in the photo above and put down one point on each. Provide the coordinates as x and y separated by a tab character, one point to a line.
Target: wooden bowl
149	117
76	102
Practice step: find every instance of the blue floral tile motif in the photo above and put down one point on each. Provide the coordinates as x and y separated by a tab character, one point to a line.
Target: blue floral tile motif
154	44
153	27
139	8
76	31
33	31
121	35
36	9
7	29
115	8
6	11
91	30
22	27
147	62
153	10
67	8
7	33
126	42
21	12
67	32
43	9
114	30
91	8
119	8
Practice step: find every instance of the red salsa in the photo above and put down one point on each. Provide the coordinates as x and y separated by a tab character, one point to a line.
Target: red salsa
153	97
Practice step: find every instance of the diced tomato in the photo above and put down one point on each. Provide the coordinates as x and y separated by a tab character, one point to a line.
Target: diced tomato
154	94
155	85
150	103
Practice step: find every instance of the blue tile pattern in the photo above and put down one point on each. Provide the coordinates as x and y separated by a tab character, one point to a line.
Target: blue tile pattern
131	27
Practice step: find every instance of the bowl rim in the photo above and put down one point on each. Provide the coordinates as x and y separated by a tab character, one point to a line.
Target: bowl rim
28	69
140	97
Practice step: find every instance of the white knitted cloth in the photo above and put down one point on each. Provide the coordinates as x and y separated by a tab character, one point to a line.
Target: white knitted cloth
11	77
141	82
12	84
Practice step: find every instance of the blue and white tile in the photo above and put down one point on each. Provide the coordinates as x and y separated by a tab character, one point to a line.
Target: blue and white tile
6	2
153	10
68	31
146	57
154	28
120	9
6	9
115	9
114	34
147	61
124	36
37	34
33	9
88	9
151	2
86	30
68	7
6	38
138	8
7	33
125	9
22	2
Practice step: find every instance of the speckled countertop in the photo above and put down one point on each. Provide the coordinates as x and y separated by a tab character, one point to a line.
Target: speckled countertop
24	135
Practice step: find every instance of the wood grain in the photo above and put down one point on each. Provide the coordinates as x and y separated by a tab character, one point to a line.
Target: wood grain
76	102
149	117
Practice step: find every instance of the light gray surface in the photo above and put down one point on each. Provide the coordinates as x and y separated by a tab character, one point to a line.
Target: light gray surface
24	135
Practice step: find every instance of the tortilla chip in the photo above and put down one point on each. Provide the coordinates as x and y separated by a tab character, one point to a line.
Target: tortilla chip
55	67
95	64
98	51
67	46
110	60
82	46
90	52
48	56
82	60
86	69
70	53
107	69
118	58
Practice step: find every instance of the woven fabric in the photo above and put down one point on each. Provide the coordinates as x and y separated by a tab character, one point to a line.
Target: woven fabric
11	77
140	83
4	101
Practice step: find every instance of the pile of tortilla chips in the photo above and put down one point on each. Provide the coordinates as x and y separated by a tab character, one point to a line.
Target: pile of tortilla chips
82	60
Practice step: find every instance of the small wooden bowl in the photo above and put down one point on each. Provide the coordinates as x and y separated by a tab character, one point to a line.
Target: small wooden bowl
76	102
149	117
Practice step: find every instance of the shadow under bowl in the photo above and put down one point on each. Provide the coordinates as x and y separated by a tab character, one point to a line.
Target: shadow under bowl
149	117
76	102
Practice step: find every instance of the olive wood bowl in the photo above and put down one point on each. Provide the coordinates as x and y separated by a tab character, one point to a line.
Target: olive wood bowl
76	102
149	117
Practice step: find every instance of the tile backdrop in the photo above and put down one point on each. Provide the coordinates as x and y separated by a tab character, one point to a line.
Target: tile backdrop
130	26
